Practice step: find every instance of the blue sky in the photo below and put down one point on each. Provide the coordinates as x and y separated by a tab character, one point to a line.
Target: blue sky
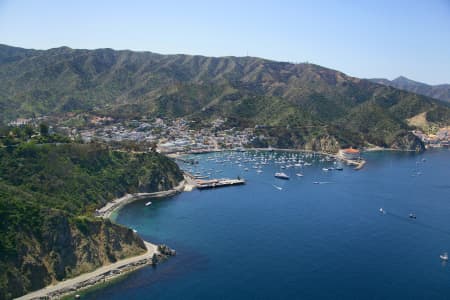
361	38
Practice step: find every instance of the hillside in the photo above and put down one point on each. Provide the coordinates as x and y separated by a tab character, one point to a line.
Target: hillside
440	91
300	105
48	194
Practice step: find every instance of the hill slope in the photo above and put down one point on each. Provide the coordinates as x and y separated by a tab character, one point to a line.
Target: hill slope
245	90
48	194
440	91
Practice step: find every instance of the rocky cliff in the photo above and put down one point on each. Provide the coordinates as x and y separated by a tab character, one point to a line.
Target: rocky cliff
48	195
67	248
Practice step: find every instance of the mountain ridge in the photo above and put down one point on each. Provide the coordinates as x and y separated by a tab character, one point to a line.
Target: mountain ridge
247	91
438	91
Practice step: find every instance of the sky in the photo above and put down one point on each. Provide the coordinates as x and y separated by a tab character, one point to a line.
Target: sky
367	39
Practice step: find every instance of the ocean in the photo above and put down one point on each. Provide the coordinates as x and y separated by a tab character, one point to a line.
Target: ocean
316	236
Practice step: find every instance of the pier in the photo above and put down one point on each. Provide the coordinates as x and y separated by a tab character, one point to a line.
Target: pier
194	182
215	183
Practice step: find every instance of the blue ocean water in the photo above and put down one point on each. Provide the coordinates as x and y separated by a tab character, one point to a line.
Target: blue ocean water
305	241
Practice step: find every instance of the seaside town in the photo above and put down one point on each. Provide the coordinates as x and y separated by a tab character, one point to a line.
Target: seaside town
170	136
178	135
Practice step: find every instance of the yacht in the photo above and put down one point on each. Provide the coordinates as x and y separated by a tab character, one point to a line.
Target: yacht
148	203
281	175
444	256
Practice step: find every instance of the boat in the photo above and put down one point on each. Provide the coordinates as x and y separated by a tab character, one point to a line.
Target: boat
277	187
299	175
444	256
258	171
325	169
339	168
148	203
412	216
382	210
281	175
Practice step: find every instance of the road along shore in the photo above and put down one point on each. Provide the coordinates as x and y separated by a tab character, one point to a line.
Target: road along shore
108	272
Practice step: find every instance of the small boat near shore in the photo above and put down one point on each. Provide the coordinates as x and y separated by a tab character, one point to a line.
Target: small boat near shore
148	203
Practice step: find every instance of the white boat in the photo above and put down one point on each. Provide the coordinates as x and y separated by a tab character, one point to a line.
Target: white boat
299	175
281	175
258	171
148	203
277	187
382	210
444	256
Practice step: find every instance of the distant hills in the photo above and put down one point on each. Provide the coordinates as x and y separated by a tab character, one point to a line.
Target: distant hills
298	105
440	92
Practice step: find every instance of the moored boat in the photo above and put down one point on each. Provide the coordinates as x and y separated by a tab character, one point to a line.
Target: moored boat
281	175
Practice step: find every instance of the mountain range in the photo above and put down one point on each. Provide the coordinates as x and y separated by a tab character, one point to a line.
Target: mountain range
298	105
440	91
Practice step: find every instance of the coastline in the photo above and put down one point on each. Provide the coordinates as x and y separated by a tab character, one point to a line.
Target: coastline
100	275
111	271
115	205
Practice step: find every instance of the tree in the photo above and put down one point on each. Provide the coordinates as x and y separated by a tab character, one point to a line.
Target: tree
43	129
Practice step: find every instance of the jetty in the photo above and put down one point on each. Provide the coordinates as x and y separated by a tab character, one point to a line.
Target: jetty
215	183
193	181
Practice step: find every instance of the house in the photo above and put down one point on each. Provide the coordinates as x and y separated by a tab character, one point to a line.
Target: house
350	153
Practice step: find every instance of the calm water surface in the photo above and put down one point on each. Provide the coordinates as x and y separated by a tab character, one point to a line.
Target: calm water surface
308	241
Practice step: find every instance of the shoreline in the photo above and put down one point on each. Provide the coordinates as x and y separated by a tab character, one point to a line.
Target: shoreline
115	205
100	275
108	272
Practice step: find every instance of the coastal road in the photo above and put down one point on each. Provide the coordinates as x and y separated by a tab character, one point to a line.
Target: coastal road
151	249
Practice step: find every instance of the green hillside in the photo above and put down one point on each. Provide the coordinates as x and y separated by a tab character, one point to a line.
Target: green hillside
247	91
48	195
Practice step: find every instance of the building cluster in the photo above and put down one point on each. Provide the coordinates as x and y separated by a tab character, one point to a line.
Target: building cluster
439	139
170	135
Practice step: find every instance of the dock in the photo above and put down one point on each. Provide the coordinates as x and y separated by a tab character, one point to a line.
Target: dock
194	182
216	183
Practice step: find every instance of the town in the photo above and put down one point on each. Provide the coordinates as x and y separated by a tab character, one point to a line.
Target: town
180	135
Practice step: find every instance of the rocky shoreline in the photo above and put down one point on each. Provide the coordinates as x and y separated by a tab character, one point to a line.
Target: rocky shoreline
153	256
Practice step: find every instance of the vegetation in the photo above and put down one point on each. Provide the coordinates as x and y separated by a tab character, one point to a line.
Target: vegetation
247	91
48	196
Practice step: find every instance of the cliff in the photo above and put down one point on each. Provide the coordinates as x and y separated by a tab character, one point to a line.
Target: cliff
48	195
